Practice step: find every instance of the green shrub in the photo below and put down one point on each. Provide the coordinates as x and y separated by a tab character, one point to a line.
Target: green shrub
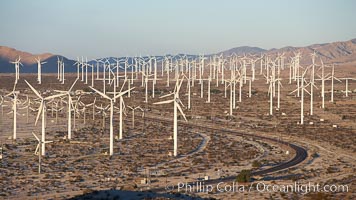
244	176
256	164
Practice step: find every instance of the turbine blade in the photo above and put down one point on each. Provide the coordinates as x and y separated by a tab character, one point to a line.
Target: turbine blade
102	94
39	112
180	84
164	102
122	87
37	148
122	93
60	91
73	85
167	95
54	96
181	111
34	90
13	90
36	137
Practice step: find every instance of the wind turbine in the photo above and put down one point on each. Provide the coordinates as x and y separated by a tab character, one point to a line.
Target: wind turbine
112	114
133	114
270	92
75	110
189	89
347	85
39	69
146	85
38	151
27	104
1	107
17	69
62	71
69	109
312	78
42	109
332	77
302	89
103	113
58	69
14	95
78	67
93	109
176	101
323	78
56	109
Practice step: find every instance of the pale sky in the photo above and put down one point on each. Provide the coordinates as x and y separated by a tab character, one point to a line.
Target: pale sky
99	28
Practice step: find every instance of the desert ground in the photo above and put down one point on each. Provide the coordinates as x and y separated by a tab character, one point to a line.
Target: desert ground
210	143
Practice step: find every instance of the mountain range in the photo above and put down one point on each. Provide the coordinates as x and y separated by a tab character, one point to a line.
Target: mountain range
8	55
341	53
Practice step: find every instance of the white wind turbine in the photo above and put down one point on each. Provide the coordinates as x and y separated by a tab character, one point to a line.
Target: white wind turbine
86	70
26	105
323	78
17	69
176	101
83	110
347	85
93	109
14	94
39	69
75	110
42	109
2	104
188	88
122	106
133	114
2	109
209	81
92	74
38	151
56	109
69	109
59	67
103	113
270	92
63	72
332	77
78	67
302	88
312	78
112	114
146	78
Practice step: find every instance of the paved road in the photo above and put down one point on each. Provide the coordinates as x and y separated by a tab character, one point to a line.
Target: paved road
300	153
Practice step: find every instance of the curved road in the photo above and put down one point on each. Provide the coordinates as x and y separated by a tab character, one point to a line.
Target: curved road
300	153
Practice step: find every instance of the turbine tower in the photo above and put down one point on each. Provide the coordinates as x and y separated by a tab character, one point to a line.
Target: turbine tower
112	114
176	101
42	109
39	69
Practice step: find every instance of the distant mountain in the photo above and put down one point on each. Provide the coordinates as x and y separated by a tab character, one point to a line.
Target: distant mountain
243	50
335	52
11	54
8	55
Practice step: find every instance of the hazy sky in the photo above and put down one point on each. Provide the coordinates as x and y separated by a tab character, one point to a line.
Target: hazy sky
98	28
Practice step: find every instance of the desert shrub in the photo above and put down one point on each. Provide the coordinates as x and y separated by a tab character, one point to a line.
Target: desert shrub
256	164
244	176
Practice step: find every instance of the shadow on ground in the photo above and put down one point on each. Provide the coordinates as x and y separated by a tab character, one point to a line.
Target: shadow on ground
134	195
